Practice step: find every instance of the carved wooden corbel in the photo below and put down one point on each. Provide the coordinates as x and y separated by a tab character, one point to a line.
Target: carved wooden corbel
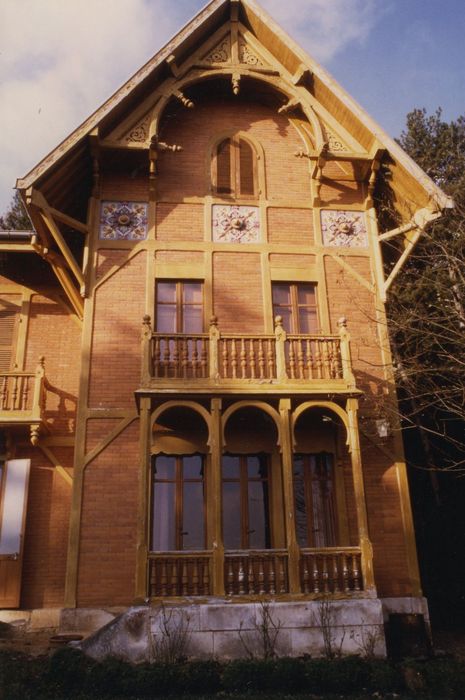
236	83
289	106
183	99
172	65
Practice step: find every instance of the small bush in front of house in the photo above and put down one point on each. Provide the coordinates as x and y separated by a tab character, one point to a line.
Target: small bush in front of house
202	676
443	678
247	675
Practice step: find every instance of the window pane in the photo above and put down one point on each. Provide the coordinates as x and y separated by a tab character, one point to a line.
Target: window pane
300	512
308	322
192	319
164	523
287	318
246	157
166	291
257	467
193	516
258	516
165	467
223	167
281	294
166	318
230	467
231	515
192	293
306	294
192	467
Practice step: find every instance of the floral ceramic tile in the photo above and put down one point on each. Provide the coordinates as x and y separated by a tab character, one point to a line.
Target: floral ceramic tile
235	224
344	228
123	221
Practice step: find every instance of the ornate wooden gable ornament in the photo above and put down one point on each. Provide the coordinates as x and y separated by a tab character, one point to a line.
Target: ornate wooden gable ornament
233	41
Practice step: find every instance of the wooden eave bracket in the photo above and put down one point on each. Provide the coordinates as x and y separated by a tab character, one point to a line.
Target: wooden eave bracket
412	231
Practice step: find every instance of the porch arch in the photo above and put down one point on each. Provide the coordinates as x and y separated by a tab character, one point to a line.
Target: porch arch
192	405
328	405
261	405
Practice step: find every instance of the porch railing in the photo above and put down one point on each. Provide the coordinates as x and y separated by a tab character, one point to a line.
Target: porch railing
331	570
328	571
179	574
23	398
256	572
226	357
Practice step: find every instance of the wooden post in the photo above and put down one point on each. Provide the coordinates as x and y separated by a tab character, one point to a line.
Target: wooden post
214	367
280	335
360	502
344	335
144	503
146	370
214	501
288	493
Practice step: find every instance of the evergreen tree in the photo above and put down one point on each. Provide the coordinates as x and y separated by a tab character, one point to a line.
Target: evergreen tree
15	218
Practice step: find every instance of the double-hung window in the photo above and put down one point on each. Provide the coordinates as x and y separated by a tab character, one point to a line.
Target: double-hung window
296	303
179	307
314	500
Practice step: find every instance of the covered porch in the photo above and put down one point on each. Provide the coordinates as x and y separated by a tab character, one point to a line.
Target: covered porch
242	498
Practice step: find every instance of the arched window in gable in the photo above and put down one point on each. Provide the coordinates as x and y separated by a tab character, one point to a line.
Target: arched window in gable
234	168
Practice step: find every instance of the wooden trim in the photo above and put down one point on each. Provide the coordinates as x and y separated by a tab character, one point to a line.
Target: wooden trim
90	456
56	463
288	495
345	265
143	519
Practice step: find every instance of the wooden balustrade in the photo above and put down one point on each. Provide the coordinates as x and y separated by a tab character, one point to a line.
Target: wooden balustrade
179	574
228	358
16	391
331	570
256	572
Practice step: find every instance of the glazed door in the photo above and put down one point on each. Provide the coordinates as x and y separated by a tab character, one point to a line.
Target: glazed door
14	480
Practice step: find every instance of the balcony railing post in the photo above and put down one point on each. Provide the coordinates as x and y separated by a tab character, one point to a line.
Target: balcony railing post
344	335
146	351
38	400
214	367
280	335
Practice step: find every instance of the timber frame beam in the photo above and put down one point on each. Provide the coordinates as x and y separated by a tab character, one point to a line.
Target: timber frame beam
63	263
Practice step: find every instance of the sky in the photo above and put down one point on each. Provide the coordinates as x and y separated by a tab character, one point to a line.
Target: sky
60	59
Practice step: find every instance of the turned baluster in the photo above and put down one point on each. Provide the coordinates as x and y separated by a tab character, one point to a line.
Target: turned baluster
261	577
195	356
300	358
152	579
355	572
318	361
272	575
241	577
281	576
176	356
252	358
166	356
326	361
230	578
325	574
173	577
243	359
261	359
163	577
251	577
185	578
291	359
205	578
25	393
309	358
156	357
234	358
14	394
305	575
316	576
270	358
337	360
335	574
195	577
204	358
225	359
3	393
345	574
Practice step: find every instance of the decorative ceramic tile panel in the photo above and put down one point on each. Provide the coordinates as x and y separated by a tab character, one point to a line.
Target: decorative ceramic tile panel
123	221
235	224
344	228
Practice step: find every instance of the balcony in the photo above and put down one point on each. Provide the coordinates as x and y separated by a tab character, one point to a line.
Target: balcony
215	361
22	400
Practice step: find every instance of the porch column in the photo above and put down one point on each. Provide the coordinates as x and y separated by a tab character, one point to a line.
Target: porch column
141	589
360	502
214	499
288	493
